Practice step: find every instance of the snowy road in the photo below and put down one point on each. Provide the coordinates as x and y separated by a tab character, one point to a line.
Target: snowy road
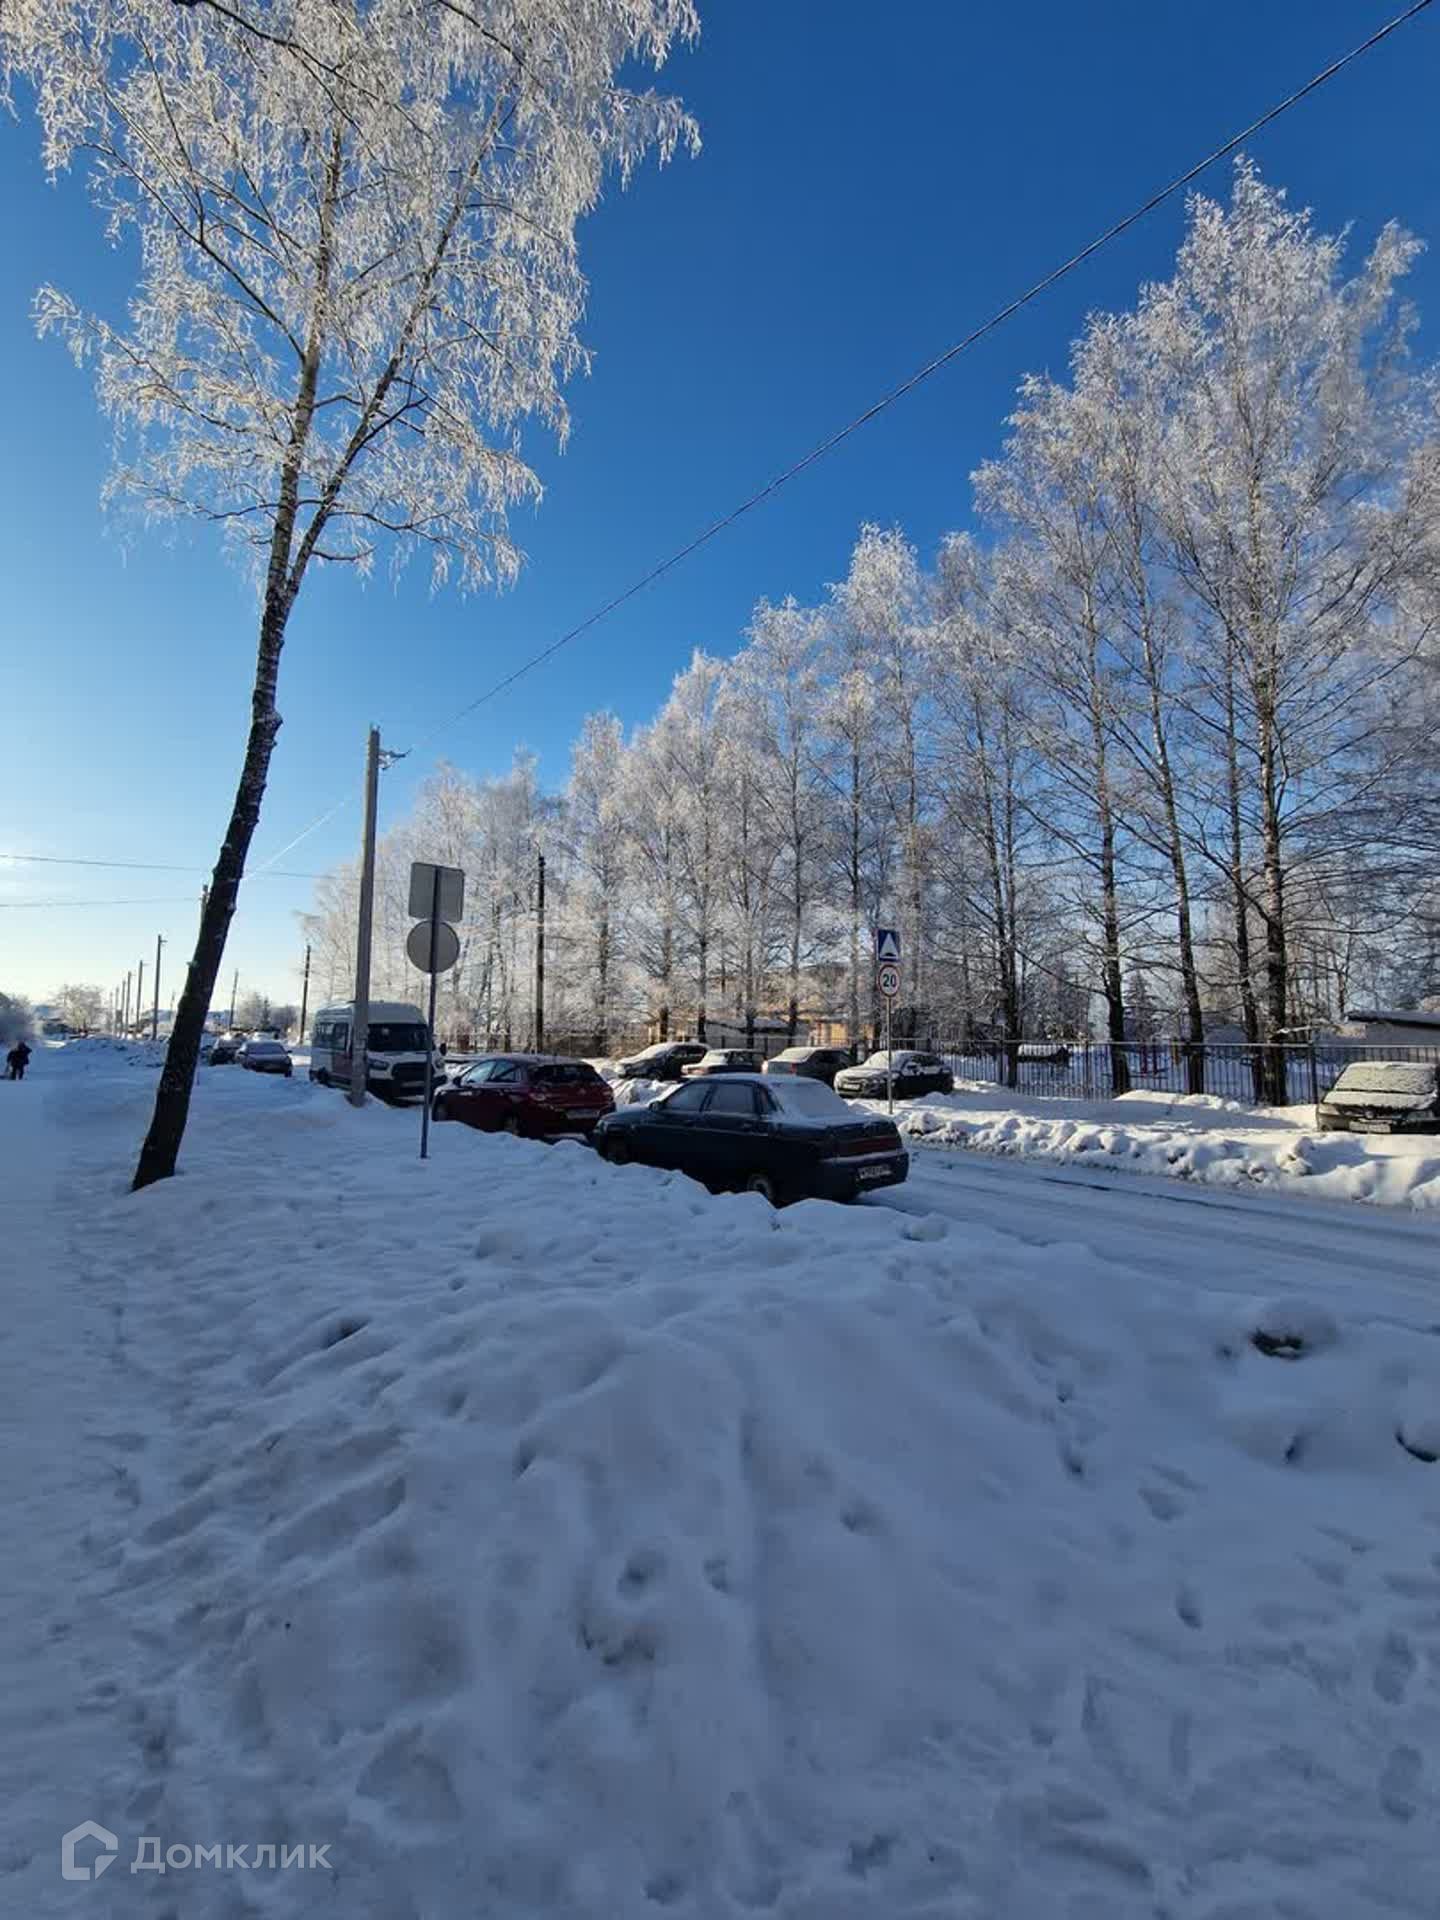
1243	1243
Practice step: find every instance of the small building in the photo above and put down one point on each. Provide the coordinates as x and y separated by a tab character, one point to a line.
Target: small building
1396	1026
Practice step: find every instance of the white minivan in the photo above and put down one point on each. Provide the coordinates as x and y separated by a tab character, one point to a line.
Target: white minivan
396	1047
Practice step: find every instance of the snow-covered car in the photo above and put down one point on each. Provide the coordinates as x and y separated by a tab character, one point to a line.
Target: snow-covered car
1383	1096
225	1048
913	1073
264	1056
810	1063
785	1140
666	1060
722	1060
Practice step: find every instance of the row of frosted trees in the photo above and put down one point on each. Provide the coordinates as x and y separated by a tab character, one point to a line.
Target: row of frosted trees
1152	746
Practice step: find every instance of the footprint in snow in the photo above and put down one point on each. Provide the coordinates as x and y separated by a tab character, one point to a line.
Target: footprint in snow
1394	1668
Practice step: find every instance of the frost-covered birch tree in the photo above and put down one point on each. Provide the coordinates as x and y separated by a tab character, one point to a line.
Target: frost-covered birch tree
357	275
1291	419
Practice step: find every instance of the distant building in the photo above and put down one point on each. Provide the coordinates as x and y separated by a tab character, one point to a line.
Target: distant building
1396	1026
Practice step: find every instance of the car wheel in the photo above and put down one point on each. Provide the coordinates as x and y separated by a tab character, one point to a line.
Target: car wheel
617	1152
322	1076
510	1125
765	1185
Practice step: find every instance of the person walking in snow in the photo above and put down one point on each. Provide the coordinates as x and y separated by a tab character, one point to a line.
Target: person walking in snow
17	1060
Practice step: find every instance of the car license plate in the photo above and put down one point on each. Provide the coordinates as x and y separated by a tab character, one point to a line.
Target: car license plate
1370	1126
581	1113
876	1173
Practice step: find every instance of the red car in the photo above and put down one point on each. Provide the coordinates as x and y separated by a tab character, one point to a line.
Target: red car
525	1093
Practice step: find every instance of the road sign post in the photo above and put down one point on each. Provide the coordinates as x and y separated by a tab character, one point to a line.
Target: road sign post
433	946
887	958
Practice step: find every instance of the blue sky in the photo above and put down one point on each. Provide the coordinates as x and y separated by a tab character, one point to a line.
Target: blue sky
871	185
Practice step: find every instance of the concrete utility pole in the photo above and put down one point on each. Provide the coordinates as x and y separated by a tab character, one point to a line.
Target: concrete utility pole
360	1036
234	990
140	995
125	1005
155	1010
304	995
540	956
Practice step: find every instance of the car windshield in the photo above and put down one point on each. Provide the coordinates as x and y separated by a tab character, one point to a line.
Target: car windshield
263	1046
394	1036
812	1101
565	1072
1386	1076
796	1053
882	1060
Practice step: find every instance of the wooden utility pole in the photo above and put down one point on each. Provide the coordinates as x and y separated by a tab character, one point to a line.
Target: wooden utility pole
304	995
140	996
125	1005
540	955
360	1034
155	1010
234	991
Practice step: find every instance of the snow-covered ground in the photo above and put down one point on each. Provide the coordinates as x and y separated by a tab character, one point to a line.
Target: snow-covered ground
1188	1136
547	1539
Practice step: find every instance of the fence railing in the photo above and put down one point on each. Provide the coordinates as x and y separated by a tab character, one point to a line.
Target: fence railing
1275	1073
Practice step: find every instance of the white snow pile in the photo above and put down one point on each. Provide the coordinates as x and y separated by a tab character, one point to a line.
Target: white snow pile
638	1093
1188	1136
551	1540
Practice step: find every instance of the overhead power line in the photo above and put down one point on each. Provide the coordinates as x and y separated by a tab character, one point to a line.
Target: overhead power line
907	386
931	367
169	900
145	866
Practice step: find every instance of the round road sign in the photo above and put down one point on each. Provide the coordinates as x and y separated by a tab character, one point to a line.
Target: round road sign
447	947
889	980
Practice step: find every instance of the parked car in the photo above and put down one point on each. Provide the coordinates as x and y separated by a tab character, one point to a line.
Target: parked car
226	1048
722	1060
1383	1096
785	1140
264	1056
913	1073
528	1094
397	1041
810	1063
666	1060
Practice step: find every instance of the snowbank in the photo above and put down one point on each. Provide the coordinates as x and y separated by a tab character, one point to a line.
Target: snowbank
1190	1136
549	1539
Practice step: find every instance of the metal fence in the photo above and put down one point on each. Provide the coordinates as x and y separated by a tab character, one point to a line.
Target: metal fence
1272	1074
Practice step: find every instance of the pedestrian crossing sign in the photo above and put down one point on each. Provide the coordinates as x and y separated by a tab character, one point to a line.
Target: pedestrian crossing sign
887	944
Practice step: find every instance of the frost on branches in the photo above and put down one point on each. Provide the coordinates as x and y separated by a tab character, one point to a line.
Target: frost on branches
358	278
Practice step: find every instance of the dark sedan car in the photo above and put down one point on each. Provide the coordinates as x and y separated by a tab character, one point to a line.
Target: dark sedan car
913	1073
786	1140
722	1060
527	1094
226	1048
666	1060
810	1063
264	1056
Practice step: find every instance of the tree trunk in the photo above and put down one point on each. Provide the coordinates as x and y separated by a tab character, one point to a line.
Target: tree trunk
1277	971
1249	1012
1112	977
161	1147
855	901
602	1030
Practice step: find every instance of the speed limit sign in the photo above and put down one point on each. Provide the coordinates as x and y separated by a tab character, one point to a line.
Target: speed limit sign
889	980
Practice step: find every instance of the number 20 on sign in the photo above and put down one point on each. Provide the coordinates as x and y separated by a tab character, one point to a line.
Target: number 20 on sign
889	980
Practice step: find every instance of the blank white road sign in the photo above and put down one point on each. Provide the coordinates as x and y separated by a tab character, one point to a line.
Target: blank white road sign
447	947
422	884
